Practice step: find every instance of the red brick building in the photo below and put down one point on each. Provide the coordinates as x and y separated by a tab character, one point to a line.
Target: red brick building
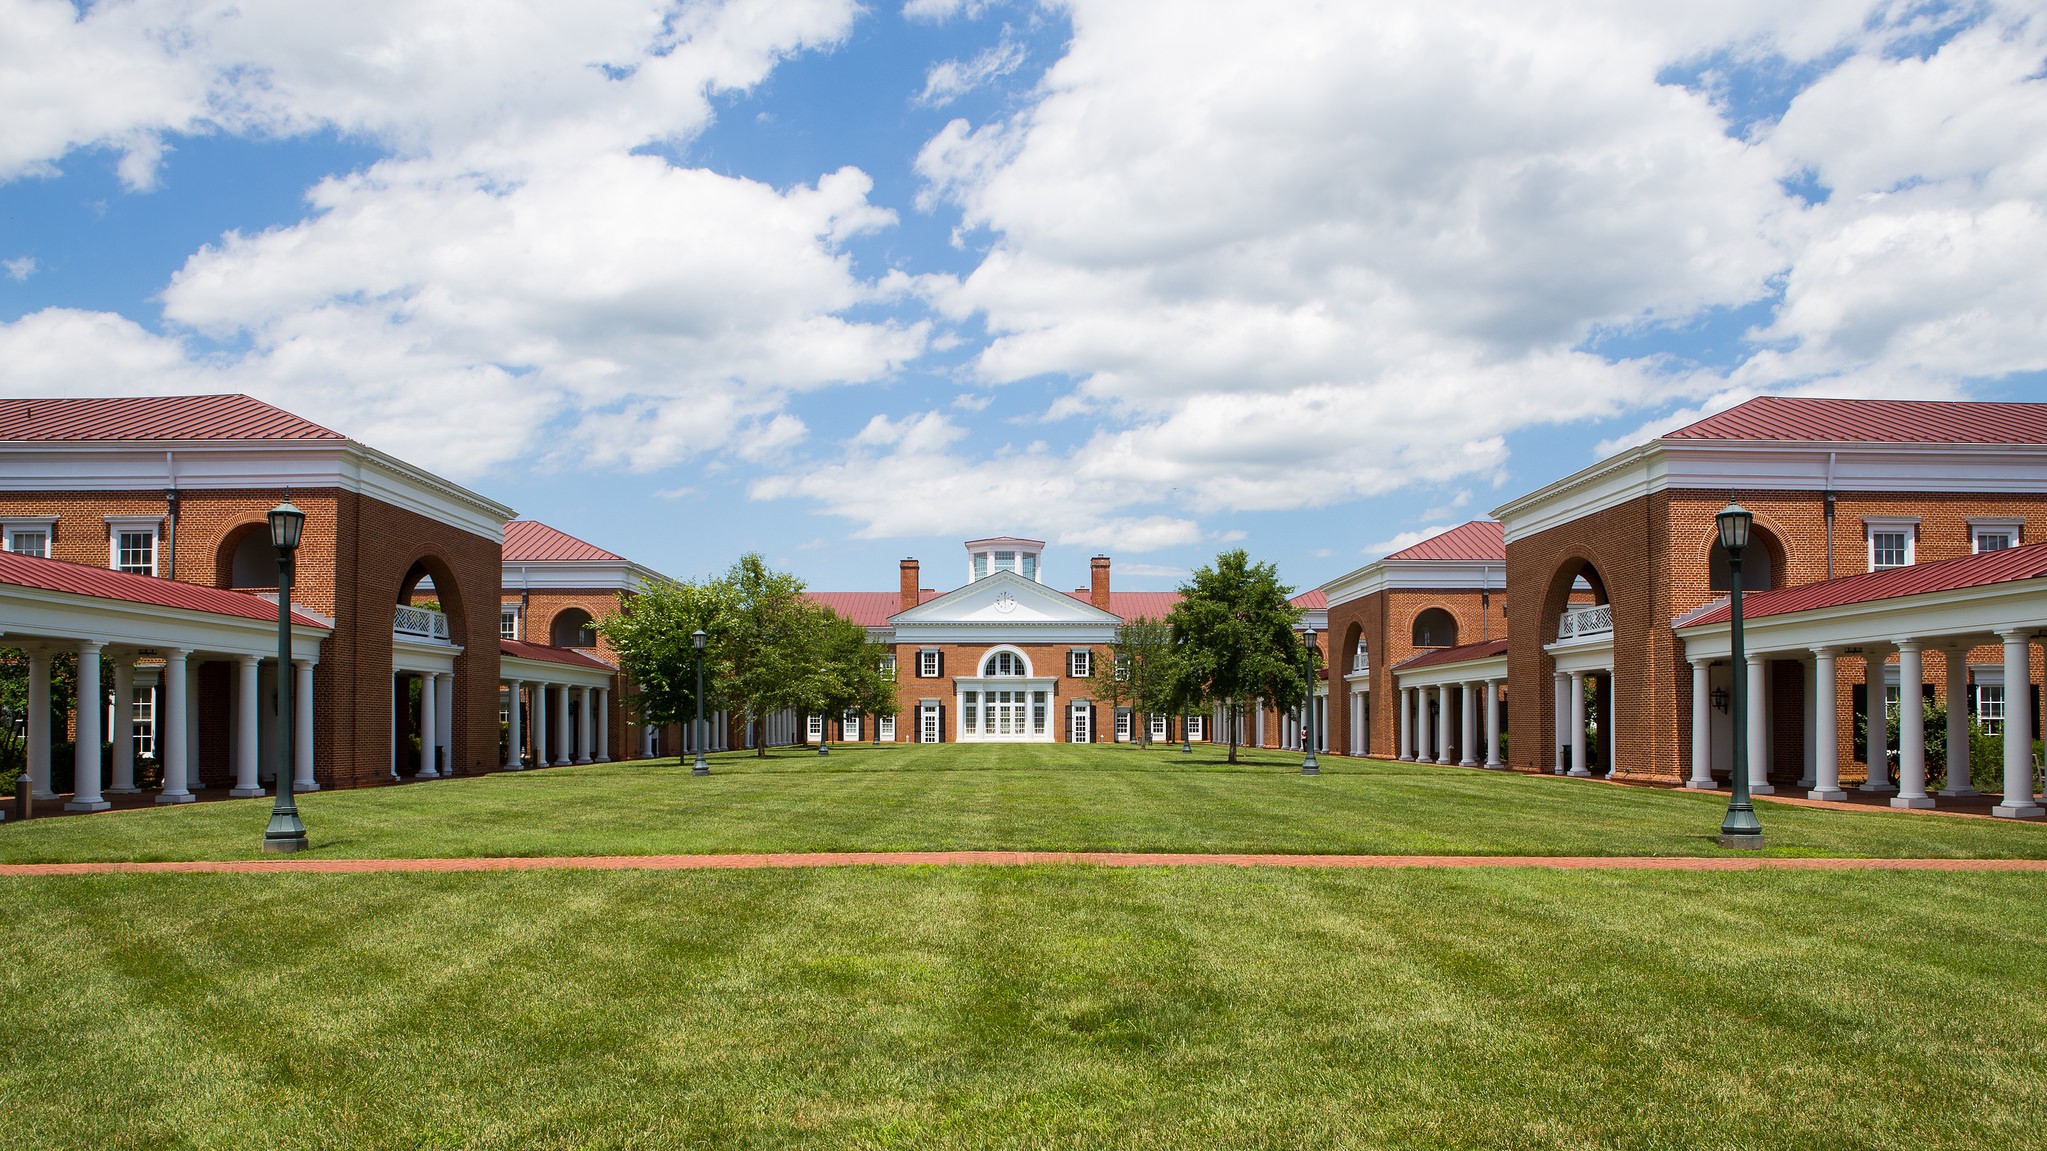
176	488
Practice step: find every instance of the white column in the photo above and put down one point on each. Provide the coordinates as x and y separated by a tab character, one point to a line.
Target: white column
38	750
1811	748
1406	718
1826	783
1911	729
444	721
123	735
1702	726
1492	726
247	719
1577	702
1958	723
394	726
2018	728
429	727
91	704
170	729
561	724
1879	721
1759	725
302	728
1424	731
1560	717
514	754
603	725
1467	751
540	756
583	725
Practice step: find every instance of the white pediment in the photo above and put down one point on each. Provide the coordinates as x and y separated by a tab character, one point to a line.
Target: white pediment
1004	598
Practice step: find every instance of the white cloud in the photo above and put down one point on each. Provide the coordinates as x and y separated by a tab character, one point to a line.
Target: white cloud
20	268
1404	540
514	258
939	11
1166	571
948	80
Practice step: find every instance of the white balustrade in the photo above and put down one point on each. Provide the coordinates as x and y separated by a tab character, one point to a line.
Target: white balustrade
420	621
1579	622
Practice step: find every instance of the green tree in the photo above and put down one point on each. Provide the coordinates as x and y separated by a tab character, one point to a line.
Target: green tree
764	631
1233	638
1145	659
651	633
848	674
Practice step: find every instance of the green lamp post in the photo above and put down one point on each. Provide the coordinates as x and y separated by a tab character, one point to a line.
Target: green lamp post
702	766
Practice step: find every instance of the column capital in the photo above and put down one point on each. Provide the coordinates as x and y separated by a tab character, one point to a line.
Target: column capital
2016	635
1905	645
1826	652
248	660
86	645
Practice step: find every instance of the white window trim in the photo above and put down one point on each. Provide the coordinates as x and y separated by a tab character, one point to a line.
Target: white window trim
44	524
1124	725
885	727
1908	526
1080	663
518	623
1980	526
119	524
927	657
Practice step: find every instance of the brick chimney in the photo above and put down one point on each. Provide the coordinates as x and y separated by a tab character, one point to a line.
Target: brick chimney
910	597
1098	582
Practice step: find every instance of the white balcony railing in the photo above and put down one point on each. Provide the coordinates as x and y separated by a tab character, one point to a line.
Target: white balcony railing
1580	622
424	622
1360	660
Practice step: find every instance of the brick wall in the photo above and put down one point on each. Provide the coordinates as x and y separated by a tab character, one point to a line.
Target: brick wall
1386	621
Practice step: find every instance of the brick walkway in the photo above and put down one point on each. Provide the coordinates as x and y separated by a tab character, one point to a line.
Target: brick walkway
1013	859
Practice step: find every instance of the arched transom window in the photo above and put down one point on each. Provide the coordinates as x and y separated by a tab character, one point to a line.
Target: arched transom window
1004	663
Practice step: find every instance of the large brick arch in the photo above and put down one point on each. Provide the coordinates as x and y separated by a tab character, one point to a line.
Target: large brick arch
1765	535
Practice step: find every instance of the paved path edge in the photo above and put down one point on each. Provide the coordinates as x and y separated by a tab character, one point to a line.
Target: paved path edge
1008	859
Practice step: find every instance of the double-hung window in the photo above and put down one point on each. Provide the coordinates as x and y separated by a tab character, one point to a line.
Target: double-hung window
1992	535
1891	541
1080	663
508	623
927	663
134	548
30	535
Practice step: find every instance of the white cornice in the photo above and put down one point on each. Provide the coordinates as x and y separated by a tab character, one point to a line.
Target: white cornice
578	575
1416	575
1970	614
202	465
1778	466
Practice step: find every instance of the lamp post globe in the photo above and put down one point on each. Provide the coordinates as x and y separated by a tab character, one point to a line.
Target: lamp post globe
702	766
286	833
1739	828
1309	765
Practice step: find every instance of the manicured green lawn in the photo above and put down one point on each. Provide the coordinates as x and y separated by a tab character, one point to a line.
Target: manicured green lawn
1109	798
1069	1007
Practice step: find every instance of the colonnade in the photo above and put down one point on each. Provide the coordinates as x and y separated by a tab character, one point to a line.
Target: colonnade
1465	711
176	721
557	741
1822	770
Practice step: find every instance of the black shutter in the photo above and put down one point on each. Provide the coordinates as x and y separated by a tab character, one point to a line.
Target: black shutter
1860	692
941	675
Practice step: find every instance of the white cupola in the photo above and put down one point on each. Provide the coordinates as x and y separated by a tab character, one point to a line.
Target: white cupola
1005	553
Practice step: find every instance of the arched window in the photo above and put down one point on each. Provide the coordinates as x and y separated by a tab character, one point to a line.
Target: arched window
573	628
1755	567
1435	628
1004	663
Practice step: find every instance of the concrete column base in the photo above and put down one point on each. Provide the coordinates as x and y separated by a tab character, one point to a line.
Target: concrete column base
1745	842
1948	793
1833	795
87	805
181	797
1878	788
515	767
1708	785
1916	801
246	792
124	791
1580	772
1467	763
301	786
1495	766
1761	789
428	774
2017	810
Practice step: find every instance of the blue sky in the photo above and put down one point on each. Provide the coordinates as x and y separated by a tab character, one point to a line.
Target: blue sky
846	283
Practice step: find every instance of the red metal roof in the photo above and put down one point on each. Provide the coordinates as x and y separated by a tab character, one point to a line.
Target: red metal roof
153	418
1460	654
866	608
541	651
1314	599
1477	540
1133	604
1806	419
533	541
102	583
2029	562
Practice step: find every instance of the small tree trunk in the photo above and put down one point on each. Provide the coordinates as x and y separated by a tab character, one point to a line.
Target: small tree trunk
760	738
1236	729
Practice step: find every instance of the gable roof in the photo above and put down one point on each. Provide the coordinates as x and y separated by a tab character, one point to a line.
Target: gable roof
230	417
2005	566
1477	540
1806	419
530	541
103	583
